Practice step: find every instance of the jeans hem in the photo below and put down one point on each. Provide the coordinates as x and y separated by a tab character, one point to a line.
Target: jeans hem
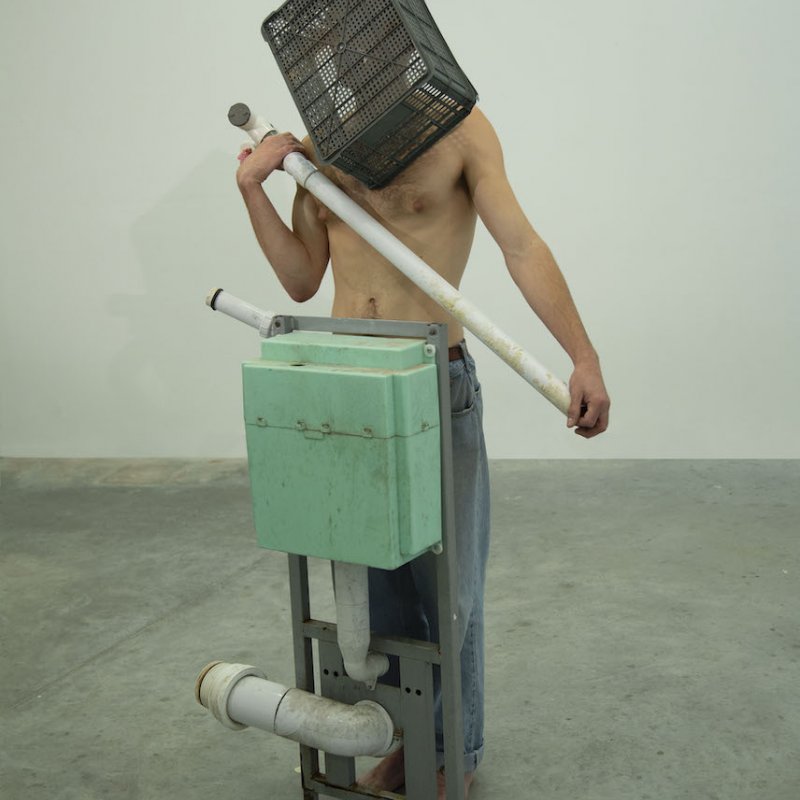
471	760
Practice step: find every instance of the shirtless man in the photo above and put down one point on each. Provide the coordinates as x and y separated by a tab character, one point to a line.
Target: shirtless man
432	206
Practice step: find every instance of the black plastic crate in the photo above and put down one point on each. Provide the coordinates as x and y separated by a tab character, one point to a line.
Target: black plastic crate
374	81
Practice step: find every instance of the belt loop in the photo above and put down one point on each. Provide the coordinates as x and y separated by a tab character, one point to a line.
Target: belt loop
464	355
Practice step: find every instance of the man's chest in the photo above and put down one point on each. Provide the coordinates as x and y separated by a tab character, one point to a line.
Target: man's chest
426	187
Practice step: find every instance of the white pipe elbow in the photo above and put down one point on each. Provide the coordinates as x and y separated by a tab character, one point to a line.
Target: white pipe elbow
239	696
363	729
367	670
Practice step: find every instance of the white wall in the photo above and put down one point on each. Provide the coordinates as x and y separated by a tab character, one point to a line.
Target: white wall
654	145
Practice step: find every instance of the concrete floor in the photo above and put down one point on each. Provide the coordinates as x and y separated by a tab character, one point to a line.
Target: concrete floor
643	631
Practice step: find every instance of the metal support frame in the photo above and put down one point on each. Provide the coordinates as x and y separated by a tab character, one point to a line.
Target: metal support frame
410	704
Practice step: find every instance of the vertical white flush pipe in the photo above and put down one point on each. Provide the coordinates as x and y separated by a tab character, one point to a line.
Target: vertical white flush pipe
409	263
351	590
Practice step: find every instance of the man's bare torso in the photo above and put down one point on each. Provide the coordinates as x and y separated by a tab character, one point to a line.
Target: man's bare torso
429	208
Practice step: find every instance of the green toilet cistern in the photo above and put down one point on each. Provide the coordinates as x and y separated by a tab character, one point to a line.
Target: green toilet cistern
343	448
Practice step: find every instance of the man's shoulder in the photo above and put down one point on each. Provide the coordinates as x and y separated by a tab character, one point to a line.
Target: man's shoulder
476	138
476	124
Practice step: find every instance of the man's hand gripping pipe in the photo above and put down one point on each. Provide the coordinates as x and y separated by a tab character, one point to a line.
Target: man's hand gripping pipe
411	265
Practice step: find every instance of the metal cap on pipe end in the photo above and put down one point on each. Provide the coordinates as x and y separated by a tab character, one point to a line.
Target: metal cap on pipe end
211	298
215	684
239	114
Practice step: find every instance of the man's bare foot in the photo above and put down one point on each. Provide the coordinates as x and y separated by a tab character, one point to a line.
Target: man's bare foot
388	776
468	776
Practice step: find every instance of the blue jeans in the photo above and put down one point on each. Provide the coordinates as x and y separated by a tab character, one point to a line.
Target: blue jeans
403	601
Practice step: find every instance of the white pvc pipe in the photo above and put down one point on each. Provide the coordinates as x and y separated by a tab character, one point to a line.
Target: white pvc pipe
416	270
351	592
240	696
257	318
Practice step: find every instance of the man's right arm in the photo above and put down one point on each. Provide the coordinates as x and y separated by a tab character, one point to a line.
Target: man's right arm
299	255
534	270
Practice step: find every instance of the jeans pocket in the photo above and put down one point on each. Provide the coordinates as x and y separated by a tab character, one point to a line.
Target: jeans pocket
464	393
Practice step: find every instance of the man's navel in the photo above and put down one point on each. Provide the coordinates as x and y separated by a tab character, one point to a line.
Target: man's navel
371	311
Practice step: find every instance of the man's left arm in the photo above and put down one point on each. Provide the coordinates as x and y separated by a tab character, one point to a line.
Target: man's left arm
535	272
